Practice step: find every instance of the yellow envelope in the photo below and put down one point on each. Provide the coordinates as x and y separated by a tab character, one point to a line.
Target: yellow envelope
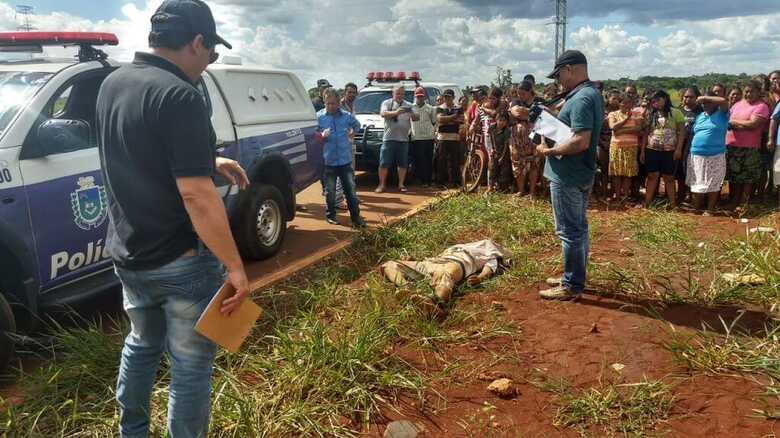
228	331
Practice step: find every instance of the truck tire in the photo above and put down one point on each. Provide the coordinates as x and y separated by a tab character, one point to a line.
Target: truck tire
262	226
7	328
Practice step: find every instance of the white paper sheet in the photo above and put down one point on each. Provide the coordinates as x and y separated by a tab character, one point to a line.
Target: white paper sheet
551	127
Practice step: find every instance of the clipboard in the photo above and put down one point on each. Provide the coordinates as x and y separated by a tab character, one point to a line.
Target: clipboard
231	331
552	128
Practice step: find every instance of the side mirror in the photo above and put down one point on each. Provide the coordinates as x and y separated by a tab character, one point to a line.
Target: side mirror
61	135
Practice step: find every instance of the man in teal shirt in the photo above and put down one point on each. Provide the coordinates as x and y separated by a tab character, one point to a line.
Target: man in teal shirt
571	168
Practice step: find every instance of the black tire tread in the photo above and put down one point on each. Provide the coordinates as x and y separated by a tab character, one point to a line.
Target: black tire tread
7	325
245	232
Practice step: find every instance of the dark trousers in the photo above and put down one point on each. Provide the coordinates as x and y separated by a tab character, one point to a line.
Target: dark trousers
422	157
448	162
347	176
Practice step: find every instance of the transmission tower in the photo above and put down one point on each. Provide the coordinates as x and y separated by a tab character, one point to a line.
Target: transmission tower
23	17
560	27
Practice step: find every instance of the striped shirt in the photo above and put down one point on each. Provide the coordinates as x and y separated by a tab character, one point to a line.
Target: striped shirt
425	128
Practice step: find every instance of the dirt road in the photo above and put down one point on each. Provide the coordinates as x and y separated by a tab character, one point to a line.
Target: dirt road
309	237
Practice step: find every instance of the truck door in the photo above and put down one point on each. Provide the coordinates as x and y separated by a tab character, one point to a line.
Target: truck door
60	166
224	132
220	117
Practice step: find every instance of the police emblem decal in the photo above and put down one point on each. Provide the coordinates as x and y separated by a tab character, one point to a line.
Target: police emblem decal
89	204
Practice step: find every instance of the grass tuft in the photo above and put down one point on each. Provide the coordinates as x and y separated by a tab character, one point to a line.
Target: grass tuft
734	353
632	409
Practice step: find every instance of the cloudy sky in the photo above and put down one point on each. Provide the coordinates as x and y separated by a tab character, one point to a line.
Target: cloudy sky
454	40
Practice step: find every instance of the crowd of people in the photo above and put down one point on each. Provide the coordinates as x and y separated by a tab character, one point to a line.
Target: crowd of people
725	136
172	263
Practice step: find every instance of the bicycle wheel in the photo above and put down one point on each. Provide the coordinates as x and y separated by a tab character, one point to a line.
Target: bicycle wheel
474	170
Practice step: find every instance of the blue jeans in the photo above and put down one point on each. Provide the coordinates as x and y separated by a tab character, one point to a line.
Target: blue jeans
347	177
163	305
569	204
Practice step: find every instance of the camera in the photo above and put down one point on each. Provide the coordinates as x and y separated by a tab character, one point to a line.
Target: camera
534	112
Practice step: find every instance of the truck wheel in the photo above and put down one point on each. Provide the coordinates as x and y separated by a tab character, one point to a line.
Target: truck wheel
7	328
262	227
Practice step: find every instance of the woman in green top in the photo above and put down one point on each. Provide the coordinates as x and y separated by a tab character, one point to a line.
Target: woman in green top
664	146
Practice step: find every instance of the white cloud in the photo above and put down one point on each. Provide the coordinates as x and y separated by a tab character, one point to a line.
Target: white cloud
609	42
443	39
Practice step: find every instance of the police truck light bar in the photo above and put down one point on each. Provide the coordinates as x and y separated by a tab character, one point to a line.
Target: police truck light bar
390	76
35	41
59	38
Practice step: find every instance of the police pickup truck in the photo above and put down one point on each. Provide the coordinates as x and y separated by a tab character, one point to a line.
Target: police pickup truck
53	209
367	107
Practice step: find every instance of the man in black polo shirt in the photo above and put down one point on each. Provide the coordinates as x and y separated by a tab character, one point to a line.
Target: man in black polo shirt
448	151
168	232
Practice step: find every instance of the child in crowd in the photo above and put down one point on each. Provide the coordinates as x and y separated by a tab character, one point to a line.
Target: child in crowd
500	173
484	119
626	125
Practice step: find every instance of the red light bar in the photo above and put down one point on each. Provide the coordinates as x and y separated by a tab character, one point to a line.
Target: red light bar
400	76
58	38
370	76
388	76
415	76
379	76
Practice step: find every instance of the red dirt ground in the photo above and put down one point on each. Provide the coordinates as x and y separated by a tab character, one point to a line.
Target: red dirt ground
559	340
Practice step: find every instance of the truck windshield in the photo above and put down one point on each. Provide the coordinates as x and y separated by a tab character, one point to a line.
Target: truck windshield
369	102
16	88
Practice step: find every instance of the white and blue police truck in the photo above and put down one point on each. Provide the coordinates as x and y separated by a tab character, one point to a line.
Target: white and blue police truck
53	211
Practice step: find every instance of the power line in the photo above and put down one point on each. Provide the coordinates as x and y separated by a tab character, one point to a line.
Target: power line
24	13
560	27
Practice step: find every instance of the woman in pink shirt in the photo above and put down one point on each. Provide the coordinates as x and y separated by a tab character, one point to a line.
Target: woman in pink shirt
746	123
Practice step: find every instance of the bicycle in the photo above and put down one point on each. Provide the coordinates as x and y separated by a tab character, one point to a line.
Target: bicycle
475	168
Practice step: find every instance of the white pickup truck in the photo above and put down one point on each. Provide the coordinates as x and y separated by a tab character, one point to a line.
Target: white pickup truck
53	210
367	108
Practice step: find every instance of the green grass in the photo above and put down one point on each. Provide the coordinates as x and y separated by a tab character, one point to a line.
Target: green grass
664	262
658	230
759	255
735	353
629	409
321	362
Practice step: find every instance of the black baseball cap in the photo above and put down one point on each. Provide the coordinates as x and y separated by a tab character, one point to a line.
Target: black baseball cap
323	83
526	86
448	92
189	16
569	57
